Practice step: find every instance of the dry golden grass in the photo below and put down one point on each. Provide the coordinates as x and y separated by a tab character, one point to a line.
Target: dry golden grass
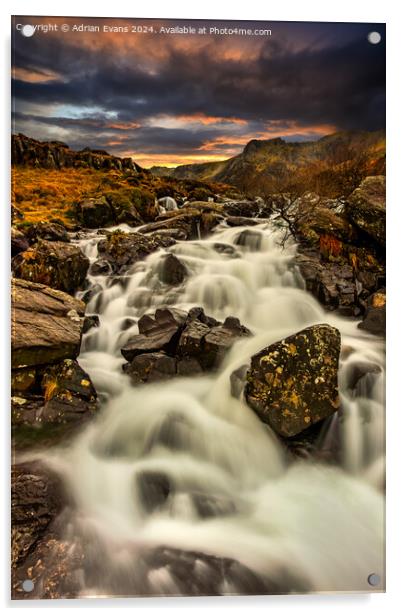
42	194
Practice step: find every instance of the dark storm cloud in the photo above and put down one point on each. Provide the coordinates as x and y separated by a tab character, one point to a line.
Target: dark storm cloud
340	83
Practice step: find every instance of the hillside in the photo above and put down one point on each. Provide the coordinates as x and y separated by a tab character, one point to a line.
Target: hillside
333	165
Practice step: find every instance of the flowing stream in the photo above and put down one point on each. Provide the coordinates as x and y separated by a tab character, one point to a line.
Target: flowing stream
275	514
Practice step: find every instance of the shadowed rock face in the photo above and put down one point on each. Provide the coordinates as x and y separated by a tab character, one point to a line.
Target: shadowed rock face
366	208
57	264
47	324
292	384
122	250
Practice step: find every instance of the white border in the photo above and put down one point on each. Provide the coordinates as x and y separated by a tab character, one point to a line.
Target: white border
307	10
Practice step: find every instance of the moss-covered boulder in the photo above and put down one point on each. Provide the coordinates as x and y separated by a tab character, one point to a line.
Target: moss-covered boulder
56	264
366	208
122	249
293	384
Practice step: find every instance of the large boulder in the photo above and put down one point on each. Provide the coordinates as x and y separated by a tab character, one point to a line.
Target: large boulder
122	249
56	264
46	324
95	212
366	208
292	384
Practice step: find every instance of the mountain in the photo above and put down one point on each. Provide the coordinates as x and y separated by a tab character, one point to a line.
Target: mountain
327	166
57	155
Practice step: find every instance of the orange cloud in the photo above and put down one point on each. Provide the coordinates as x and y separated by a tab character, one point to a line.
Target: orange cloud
33	76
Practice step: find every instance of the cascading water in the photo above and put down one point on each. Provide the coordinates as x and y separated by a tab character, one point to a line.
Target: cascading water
319	523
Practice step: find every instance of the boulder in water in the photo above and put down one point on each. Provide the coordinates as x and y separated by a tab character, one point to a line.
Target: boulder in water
56	264
122	250
158	333
292	384
172	270
196	342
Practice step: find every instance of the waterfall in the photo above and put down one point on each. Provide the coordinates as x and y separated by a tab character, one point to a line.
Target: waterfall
321	523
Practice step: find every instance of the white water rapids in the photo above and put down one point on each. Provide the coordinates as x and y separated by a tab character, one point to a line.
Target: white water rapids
321	523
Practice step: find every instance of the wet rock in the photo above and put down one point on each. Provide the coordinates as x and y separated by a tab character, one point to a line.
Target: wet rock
195	341
151	367
90	321
101	267
249	239
156	334
56	264
22	380
218	341
154	489
65	398
51	231
366	208
19	242
211	505
238	381
241	221
361	378
47	324
292	384
172	270
374	320
95	213
36	500
245	209
332	284
122	250
191	338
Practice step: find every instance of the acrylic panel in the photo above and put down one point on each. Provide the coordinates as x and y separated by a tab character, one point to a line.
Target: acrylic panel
198	307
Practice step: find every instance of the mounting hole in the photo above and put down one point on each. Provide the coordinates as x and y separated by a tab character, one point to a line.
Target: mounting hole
27	30
28	585
373	579
374	38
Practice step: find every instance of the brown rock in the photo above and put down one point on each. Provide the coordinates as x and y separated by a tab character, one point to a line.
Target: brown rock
46	324
292	384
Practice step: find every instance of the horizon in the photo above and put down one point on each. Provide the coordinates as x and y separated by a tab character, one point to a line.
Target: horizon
169	100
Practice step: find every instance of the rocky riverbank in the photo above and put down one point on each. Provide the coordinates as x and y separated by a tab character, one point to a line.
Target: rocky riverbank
291	384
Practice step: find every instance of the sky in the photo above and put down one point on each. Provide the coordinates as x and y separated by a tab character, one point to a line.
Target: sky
176	98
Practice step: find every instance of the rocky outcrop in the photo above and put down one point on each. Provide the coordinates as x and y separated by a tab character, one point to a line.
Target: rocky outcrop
57	155
56	264
366	208
292	384
122	250
48	386
46	324
173	342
